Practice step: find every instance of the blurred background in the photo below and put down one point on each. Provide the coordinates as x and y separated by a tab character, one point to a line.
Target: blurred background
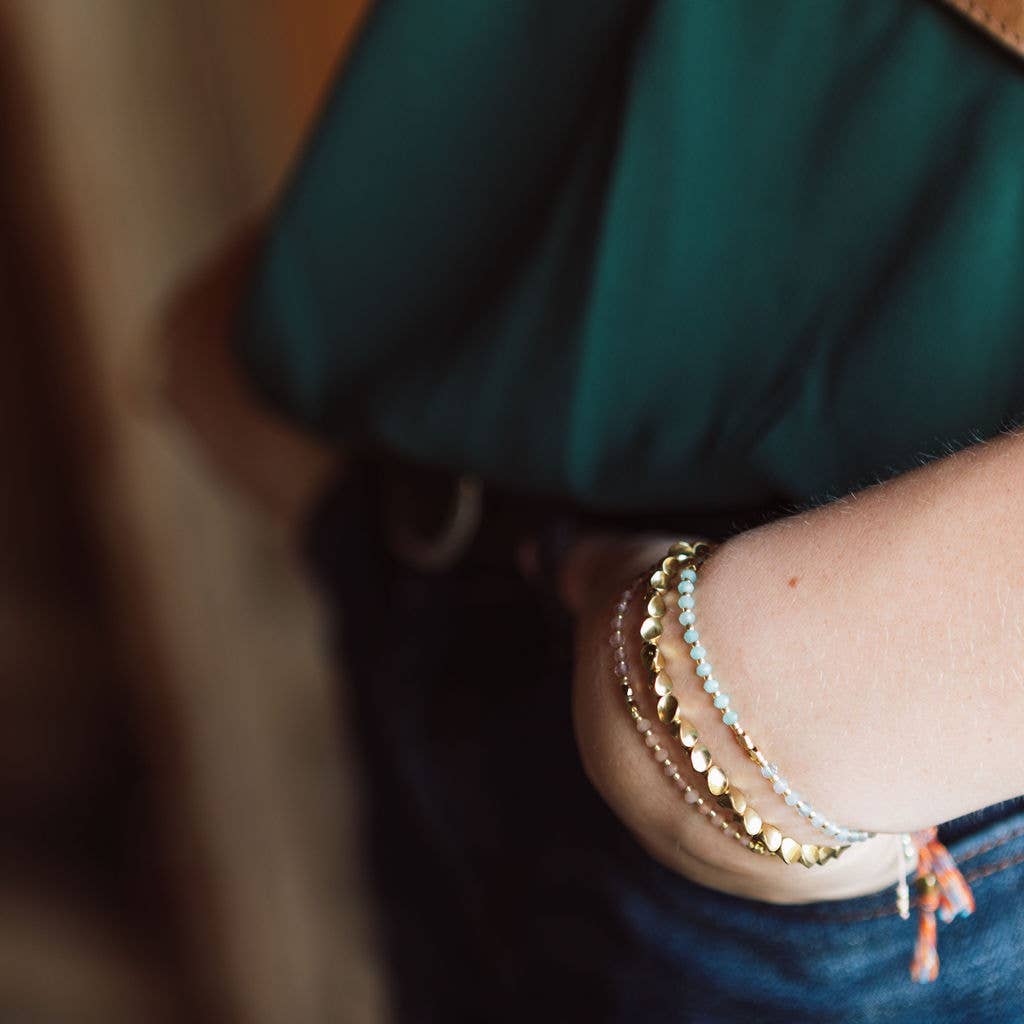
175	803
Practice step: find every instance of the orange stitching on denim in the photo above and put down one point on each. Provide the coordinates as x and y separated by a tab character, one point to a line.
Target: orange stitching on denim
991	869
992	844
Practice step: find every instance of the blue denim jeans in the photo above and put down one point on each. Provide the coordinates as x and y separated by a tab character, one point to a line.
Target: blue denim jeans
507	891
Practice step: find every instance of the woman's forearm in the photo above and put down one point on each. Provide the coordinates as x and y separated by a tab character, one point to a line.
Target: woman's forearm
874	648
876	644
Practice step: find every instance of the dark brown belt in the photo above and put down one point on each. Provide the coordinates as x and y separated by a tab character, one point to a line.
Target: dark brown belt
434	520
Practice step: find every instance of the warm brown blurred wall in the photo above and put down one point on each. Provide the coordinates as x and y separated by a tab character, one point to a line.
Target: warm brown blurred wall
154	127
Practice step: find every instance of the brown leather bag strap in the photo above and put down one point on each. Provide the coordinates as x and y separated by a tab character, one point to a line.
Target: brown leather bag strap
1003	20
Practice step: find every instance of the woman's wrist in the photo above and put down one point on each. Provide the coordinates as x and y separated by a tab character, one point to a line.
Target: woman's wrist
637	787
874	646
693	667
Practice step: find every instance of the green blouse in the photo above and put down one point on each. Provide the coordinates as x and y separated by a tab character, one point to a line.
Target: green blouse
655	255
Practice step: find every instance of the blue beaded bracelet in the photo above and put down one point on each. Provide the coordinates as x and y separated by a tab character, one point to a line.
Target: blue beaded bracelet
686	589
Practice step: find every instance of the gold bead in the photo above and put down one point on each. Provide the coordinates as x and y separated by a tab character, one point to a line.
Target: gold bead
688	734
681	547
700	758
751	821
667	708
656	606
808	855
669	565
651	657
772	836
718	781
660	580
651	629
737	800
790	850
662	684
825	854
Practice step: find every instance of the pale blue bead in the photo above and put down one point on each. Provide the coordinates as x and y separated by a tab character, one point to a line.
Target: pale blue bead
697	652
766	771
704	670
711	686
815	818
792	798
730	718
691	636
722	700
686	601
686	587
689	574
687	618
803	808
781	786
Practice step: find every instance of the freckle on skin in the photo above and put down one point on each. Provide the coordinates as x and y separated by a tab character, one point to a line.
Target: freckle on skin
792	581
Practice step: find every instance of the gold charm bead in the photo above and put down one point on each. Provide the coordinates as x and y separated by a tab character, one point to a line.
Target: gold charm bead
737	799
771	836
718	781
809	855
700	758
790	850
659	581
688	734
652	657
651	628
656	606
668	708
662	684
751	821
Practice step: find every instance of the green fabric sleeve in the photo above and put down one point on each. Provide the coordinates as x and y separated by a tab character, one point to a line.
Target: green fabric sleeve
661	255
429	172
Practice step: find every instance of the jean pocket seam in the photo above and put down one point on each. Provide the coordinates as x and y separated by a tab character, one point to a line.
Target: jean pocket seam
971	852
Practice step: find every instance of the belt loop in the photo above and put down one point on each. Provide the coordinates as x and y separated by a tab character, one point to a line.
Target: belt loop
442	551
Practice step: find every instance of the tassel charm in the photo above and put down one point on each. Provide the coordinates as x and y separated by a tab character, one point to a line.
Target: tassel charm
924	967
943	892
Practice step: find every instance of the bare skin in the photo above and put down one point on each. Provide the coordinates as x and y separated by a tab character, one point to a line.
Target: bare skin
874	646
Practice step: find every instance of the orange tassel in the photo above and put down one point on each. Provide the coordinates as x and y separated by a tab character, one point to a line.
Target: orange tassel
943	891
